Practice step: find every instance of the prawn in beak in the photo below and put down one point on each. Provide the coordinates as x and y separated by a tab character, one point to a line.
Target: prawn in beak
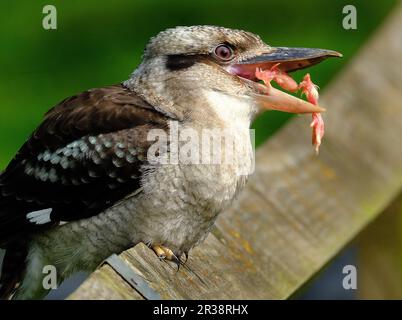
275	65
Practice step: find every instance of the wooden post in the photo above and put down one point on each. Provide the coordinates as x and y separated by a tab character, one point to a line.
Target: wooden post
298	210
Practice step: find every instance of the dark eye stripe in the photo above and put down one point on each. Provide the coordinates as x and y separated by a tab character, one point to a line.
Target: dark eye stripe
178	62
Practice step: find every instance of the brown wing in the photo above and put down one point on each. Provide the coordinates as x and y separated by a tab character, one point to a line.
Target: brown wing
86	155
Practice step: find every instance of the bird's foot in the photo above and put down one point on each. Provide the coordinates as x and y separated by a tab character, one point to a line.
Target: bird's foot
165	253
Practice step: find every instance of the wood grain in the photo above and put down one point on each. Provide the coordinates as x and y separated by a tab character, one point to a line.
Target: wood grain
298	210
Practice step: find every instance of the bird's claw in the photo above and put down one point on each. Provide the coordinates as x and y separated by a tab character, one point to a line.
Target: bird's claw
164	253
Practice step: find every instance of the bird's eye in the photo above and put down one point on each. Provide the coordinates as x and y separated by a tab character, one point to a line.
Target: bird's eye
224	52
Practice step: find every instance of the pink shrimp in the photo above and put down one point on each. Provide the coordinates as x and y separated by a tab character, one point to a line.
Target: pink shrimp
311	92
308	88
279	76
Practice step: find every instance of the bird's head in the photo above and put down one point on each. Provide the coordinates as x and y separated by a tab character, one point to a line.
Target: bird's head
181	63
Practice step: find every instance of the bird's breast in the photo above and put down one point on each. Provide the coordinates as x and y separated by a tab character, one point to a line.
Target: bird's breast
232	111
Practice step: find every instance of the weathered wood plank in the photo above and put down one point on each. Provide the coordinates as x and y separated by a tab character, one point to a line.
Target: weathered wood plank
299	210
108	285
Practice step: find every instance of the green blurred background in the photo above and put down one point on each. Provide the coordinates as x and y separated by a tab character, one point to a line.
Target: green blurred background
100	42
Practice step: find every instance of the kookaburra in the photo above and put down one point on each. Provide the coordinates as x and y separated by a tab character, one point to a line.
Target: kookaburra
82	187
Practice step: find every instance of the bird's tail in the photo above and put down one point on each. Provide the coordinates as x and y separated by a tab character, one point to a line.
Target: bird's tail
13	267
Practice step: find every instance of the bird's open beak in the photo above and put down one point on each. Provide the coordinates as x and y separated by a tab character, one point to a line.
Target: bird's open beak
289	59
